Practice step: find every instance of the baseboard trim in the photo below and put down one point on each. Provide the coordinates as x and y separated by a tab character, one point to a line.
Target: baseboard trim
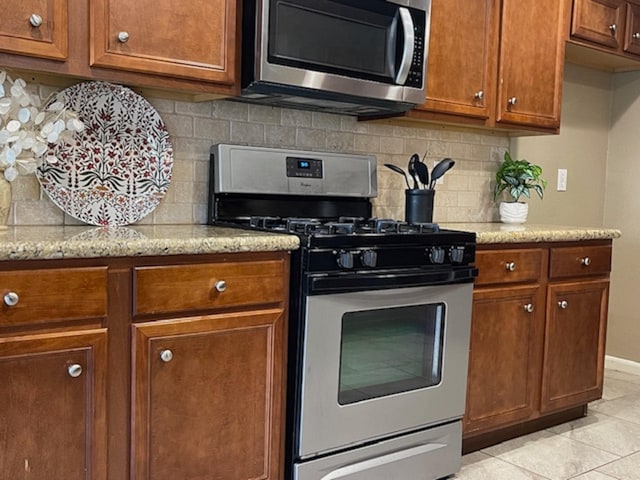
622	365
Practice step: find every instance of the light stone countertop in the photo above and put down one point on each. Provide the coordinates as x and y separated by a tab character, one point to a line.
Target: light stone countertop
510	233
51	242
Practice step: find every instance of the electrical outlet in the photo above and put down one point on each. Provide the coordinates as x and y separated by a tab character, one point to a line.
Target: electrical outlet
562	179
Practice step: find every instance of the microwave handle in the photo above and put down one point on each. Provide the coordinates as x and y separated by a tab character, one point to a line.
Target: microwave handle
409	45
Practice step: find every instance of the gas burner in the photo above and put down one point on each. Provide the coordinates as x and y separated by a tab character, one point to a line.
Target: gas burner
426	227
306	226
268	223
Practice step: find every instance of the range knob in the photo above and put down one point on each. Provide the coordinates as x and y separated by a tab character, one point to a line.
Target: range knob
456	254
436	255
345	259
369	258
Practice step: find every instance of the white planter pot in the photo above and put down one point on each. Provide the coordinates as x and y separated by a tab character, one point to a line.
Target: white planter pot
513	212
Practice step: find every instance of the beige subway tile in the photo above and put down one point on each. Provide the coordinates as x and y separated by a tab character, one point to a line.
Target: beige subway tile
352	124
201	170
183	192
367	143
296	118
382	129
174	214
25	188
41	212
191	148
326	121
416	145
444	198
162	105
197	109
179	125
307	138
247	133
450	136
469	199
216	130
340	141
405	132
280	136
229	110
265	114
457	182
428	131
200	213
183	171
481	152
391	145
438	149
460	151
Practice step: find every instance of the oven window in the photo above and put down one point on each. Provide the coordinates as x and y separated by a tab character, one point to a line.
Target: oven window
390	350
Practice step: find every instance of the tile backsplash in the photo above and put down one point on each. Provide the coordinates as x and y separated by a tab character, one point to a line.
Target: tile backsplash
464	196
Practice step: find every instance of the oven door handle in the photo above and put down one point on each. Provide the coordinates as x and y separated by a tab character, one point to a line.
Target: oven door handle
354	282
347	471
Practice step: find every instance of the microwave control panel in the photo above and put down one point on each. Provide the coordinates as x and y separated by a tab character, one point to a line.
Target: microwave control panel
414	79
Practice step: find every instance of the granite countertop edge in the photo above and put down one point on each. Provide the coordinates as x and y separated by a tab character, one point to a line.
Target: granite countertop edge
59	242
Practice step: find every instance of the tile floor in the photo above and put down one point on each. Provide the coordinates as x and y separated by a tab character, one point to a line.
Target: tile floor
604	445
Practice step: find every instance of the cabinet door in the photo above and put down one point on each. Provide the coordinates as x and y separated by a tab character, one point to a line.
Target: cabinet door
52	417
208	397
632	29
531	62
35	27
504	357
573	364
189	39
462	29
598	21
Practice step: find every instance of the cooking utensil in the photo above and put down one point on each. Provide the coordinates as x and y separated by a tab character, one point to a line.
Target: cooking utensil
412	169
397	169
440	169
423	173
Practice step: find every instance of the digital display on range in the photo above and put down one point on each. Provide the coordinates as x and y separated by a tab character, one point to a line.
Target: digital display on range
304	167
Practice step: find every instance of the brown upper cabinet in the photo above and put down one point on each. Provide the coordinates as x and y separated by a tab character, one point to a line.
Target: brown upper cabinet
189	46
608	25
489	66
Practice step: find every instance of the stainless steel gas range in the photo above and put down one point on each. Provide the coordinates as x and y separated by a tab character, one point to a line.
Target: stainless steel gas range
379	316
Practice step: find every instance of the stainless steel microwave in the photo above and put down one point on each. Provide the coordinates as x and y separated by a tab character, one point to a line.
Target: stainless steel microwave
359	57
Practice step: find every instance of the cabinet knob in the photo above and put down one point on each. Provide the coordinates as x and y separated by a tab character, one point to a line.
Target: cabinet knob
166	355
613	27
510	266
11	299
528	307
563	304
123	37
74	370
512	101
35	20
479	95
221	286
586	261
636	35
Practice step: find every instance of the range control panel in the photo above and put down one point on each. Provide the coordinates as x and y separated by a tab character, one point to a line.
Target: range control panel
304	167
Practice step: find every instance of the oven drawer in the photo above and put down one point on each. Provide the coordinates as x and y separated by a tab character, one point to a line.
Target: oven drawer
425	455
509	266
53	295
578	261
180	288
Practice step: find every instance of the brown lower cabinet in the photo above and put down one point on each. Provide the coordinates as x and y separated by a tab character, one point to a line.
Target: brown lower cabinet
537	337
105	378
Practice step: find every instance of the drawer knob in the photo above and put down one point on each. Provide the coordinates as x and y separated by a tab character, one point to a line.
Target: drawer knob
563	304
528	307
479	95
11	299
166	355
586	261
636	35
221	286
512	101
510	266
614	28
74	370
35	20
123	37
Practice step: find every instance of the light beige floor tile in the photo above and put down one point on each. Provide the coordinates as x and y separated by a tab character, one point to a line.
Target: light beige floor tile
611	434
593	475
626	408
480	466
615	388
553	456
618	375
627	468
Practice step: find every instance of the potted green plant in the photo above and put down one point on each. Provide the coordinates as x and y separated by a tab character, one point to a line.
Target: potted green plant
517	178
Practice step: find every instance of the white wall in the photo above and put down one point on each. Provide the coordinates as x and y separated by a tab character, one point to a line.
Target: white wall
622	205
581	148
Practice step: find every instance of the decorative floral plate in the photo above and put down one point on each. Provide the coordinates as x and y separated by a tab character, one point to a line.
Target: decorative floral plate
117	169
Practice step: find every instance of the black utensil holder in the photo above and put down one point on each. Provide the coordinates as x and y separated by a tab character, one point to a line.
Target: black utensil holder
418	206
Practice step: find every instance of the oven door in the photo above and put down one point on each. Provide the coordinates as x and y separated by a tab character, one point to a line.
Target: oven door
382	362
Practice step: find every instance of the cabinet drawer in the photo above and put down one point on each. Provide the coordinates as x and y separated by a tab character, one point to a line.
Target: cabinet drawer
178	288
51	295
507	266
577	261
